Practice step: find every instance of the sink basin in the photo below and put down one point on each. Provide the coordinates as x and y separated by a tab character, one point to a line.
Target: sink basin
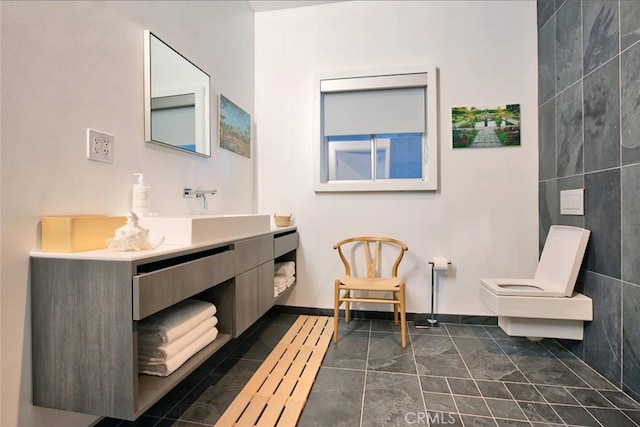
196	229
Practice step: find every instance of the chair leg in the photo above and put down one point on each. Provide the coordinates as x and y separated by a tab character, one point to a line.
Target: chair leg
403	317
347	307
395	309
336	312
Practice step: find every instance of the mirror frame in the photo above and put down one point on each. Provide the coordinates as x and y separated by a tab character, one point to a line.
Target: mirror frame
202	98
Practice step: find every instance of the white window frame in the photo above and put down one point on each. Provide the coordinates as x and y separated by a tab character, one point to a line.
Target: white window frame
391	78
364	146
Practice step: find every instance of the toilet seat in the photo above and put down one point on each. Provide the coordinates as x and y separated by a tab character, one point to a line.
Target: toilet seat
521	287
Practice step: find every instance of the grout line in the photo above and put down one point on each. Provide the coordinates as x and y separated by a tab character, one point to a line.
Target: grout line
555	111
157	423
544	24
593	388
530	382
415	364
472	378
341	368
584	363
580	405
582	77
619	57
366	373
628	47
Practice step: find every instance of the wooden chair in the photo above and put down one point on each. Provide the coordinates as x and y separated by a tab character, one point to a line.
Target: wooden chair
372	282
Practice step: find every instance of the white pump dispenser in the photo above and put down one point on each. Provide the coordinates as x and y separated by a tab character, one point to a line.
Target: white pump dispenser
140	197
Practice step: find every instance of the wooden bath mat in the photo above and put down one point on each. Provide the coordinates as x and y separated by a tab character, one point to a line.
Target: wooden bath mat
276	394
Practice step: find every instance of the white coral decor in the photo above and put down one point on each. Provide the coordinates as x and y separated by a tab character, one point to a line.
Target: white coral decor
132	237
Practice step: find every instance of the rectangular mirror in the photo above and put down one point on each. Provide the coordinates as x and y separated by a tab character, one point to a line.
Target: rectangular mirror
176	99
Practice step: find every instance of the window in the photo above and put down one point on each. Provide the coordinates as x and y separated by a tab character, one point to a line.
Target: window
376	131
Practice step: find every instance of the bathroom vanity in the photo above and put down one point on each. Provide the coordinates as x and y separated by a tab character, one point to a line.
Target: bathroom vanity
86	306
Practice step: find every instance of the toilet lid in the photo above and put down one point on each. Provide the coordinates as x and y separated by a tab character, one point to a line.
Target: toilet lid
561	258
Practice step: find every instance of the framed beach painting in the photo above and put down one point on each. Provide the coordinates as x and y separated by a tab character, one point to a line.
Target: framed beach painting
488	126
234	127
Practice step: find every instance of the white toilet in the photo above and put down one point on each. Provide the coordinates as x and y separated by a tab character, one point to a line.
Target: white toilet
545	306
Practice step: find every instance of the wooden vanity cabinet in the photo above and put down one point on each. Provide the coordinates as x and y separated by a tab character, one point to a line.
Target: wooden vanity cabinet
255	259
252	299
285	245
254	281
83	336
84	326
85	311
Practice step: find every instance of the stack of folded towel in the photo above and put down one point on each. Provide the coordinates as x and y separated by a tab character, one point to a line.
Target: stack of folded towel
170	337
283	276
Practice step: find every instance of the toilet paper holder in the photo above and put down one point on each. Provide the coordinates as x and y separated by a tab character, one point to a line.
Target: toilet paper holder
438	264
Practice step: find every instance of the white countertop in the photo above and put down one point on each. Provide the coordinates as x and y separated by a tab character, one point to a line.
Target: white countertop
110	254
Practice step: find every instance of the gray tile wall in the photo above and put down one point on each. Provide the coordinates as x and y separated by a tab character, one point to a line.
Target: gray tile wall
589	130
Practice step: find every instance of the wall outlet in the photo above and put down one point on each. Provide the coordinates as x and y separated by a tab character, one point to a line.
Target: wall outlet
100	146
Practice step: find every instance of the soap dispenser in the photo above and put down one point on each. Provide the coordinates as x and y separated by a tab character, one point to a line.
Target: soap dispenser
140	197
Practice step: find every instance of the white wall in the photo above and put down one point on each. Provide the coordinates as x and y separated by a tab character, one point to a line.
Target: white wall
67	66
484	217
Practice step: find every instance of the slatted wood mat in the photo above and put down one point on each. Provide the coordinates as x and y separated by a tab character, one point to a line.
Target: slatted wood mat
276	394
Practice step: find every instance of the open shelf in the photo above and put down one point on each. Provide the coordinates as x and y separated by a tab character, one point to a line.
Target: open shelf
152	388
284	293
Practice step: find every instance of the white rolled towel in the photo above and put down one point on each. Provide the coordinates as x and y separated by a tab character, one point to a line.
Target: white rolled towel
282	282
291	281
167	367
159	352
175	321
284	268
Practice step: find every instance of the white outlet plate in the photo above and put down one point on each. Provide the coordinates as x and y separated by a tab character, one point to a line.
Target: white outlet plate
100	146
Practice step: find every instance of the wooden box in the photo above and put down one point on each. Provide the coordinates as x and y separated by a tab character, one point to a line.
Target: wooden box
78	233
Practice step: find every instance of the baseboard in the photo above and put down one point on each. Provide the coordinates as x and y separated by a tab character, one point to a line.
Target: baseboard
388	315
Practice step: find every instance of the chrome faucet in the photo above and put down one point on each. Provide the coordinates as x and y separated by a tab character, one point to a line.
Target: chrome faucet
191	193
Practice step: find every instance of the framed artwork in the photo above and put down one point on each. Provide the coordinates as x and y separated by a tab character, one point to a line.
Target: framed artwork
491	126
234	127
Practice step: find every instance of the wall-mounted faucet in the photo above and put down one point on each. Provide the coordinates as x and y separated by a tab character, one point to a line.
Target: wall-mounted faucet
191	193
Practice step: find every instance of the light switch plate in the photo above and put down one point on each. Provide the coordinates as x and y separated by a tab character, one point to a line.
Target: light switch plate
572	202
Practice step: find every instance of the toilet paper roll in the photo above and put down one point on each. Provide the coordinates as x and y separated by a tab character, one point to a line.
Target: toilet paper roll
440	263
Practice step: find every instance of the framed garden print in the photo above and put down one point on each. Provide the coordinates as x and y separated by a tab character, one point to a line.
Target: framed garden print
490	126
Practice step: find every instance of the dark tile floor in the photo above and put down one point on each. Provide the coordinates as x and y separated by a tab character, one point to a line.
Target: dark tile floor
458	375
